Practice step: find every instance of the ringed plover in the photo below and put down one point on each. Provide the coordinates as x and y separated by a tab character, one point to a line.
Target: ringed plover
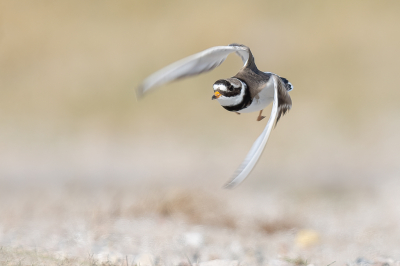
250	90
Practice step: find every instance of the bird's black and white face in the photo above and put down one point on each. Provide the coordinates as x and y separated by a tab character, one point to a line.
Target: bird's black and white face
229	92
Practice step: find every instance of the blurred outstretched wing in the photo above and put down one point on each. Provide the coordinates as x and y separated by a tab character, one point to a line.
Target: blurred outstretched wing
256	150
192	65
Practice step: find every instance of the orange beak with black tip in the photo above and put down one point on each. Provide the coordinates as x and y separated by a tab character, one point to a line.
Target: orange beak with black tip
216	95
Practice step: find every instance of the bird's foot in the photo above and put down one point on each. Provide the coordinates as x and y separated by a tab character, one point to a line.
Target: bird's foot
259	118
237	113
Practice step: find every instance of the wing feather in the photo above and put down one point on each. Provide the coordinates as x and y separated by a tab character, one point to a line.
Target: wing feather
192	65
256	150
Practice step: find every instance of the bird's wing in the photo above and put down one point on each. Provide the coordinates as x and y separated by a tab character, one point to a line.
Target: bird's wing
256	150
192	65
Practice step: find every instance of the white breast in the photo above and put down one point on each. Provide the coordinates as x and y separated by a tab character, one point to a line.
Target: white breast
262	100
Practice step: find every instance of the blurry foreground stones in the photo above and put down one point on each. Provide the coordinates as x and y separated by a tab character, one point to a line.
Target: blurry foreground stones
219	263
307	238
183	226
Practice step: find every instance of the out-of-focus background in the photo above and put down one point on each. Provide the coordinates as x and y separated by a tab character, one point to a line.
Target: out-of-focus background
87	169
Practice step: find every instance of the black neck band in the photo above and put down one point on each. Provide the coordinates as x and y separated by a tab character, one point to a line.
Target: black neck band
246	101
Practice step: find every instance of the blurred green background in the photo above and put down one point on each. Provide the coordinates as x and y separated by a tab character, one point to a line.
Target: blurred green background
69	69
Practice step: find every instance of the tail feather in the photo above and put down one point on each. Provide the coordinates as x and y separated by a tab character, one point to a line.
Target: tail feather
288	85
285	102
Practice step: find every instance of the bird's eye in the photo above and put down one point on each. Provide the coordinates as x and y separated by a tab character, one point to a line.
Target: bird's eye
230	88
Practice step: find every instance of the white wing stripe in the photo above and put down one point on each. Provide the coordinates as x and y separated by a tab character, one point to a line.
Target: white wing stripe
256	150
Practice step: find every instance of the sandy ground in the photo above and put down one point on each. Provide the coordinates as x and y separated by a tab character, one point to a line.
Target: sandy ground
182	226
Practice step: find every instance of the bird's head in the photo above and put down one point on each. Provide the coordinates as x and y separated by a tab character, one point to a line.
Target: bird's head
229	92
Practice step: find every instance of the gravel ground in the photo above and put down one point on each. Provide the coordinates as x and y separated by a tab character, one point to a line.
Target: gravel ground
183	226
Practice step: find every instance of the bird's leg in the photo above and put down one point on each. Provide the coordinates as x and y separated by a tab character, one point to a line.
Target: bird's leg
259	118
237	113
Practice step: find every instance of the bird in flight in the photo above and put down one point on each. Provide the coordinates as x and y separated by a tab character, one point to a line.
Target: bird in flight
250	90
